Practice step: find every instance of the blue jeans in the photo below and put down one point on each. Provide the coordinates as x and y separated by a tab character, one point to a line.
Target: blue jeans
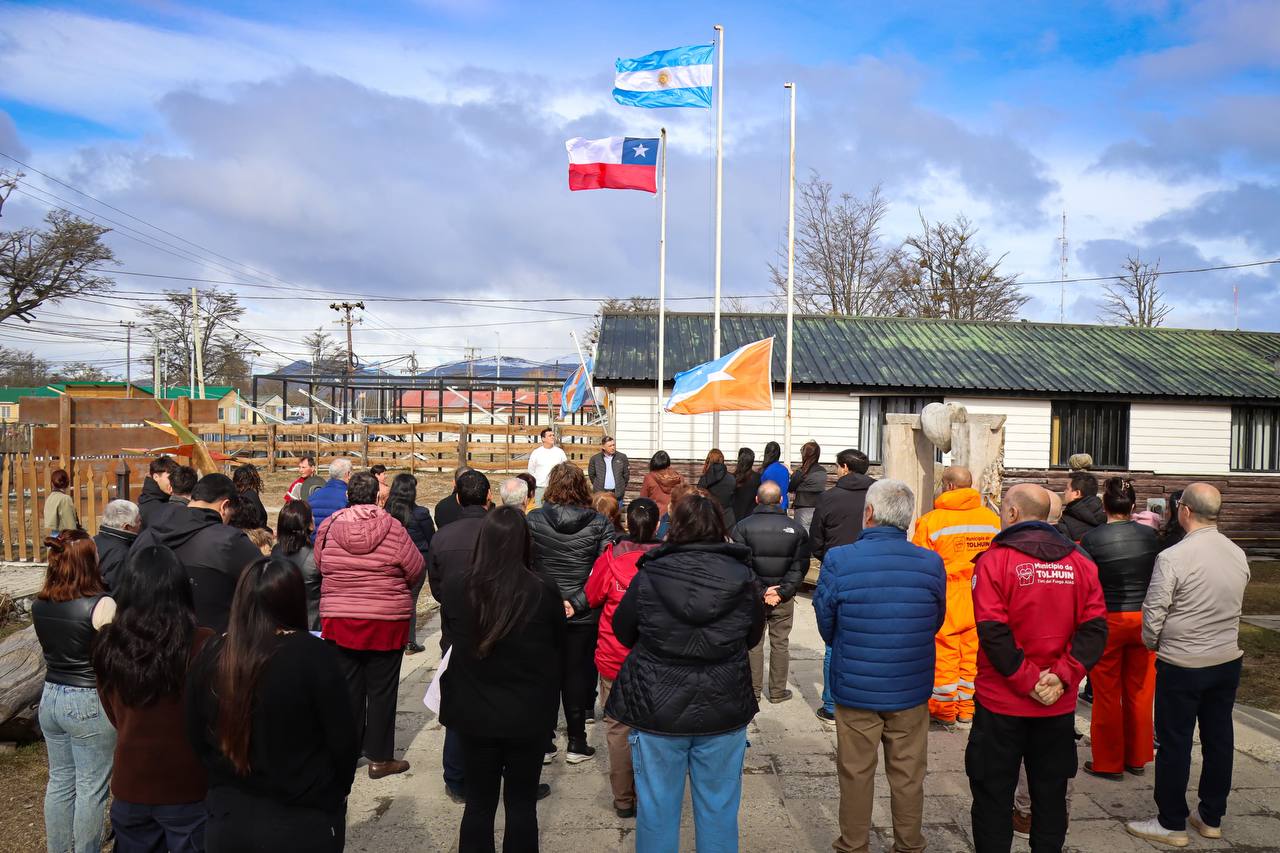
827	701
452	759
81	743
144	828
713	764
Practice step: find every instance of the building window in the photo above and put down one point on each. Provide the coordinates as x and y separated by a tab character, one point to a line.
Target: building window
1255	438
6	412
1099	429
872	411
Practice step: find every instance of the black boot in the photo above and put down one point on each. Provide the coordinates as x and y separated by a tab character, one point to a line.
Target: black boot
576	725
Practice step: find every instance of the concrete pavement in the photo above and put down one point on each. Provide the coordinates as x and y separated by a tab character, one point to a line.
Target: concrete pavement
790	796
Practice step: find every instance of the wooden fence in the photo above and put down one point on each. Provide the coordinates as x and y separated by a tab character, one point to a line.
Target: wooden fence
25	487
434	446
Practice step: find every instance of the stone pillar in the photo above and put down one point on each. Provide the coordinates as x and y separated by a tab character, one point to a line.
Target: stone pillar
977	443
909	457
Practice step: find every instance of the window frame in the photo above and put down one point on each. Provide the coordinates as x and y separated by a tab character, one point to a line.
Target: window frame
1059	458
913	407
1273	452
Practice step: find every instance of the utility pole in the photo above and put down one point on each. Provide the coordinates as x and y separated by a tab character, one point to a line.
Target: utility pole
128	357
198	345
345	308
155	366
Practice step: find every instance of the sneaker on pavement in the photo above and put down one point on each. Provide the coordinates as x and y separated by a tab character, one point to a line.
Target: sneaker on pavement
1021	824
943	723
628	812
1151	830
781	697
456	795
964	722
1198	824
828	718
579	753
550	755
544	790
1101	774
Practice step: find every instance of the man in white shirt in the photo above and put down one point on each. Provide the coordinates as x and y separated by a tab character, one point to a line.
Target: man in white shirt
543	458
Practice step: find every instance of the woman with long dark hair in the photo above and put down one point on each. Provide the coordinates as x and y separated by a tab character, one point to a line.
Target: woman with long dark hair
772	469
402	505
380	474
609	580
501	689
294	529
251	515
269	717
808	482
568	536
719	483
141	660
746	482
70	609
1171	531
690	616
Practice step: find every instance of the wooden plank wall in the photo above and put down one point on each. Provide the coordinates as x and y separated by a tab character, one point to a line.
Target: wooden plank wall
25	487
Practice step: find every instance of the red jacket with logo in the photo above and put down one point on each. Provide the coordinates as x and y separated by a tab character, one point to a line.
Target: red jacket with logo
1038	605
610	577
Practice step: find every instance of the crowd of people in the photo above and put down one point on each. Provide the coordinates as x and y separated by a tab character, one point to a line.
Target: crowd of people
223	681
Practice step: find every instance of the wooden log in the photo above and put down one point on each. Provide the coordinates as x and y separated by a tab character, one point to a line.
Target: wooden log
21	672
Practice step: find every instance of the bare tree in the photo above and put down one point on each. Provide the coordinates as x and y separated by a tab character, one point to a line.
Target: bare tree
8	183
1136	300
945	272
841	258
225	350
630	305
80	371
326	354
39	265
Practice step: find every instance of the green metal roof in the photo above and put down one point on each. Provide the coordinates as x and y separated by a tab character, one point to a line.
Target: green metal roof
211	392
906	354
11	395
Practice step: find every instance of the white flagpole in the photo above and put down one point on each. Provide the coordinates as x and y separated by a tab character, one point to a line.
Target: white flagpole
791	269
719	28
662	284
586	373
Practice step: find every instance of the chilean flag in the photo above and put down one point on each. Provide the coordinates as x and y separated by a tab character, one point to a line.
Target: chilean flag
741	381
613	163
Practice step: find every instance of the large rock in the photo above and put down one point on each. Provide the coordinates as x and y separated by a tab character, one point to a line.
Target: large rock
21	680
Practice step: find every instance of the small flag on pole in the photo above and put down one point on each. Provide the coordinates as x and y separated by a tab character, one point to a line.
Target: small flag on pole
613	163
576	390
741	381
679	77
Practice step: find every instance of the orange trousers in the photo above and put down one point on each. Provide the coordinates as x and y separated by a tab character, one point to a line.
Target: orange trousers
1124	689
957	654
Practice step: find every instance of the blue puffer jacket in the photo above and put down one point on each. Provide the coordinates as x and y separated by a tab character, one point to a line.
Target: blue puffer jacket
325	501
879	603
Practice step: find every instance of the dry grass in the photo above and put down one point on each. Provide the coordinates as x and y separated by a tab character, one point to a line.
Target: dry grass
1263	593
25	773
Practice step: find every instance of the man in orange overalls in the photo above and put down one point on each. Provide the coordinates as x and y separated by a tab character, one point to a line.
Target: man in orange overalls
959	529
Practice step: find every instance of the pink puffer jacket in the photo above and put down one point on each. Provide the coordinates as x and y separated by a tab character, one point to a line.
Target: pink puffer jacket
367	565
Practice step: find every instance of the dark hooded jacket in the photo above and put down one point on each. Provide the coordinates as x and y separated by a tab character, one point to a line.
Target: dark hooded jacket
720	484
566	542
837	519
779	548
808	487
113	552
1082	515
1125	553
690	615
1038	605
214	555
151	501
744	495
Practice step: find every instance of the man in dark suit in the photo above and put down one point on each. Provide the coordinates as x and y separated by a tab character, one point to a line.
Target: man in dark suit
608	470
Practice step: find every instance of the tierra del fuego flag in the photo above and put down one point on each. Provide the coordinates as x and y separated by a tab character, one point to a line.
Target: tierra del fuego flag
576	390
613	163
679	77
741	381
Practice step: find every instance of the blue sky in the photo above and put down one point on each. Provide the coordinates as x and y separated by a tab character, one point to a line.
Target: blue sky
417	147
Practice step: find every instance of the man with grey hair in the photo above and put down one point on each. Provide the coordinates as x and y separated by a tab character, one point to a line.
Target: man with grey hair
779	556
1191	620
514	493
879	603
332	496
121	522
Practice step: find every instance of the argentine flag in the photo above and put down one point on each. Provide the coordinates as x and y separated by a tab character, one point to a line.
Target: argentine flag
679	77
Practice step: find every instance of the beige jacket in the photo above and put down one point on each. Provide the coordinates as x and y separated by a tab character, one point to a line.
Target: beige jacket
60	513
1191	615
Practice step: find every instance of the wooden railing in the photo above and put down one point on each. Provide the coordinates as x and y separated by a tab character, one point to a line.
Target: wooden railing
25	487
433	446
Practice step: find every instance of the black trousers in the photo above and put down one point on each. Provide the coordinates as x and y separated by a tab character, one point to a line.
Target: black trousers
578	675
515	765
142	828
373	682
1183	698
240	823
998	744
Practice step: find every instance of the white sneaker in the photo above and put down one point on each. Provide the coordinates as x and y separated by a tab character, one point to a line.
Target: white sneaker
1151	830
1198	824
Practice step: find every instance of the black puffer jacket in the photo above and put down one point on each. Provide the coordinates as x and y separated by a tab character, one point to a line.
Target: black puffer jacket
808	488
566	541
1082	515
150	500
1125	552
779	548
113	552
689	617
838	517
720	483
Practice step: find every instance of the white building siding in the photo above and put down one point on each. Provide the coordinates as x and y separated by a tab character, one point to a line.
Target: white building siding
1170	438
829	419
1026	430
